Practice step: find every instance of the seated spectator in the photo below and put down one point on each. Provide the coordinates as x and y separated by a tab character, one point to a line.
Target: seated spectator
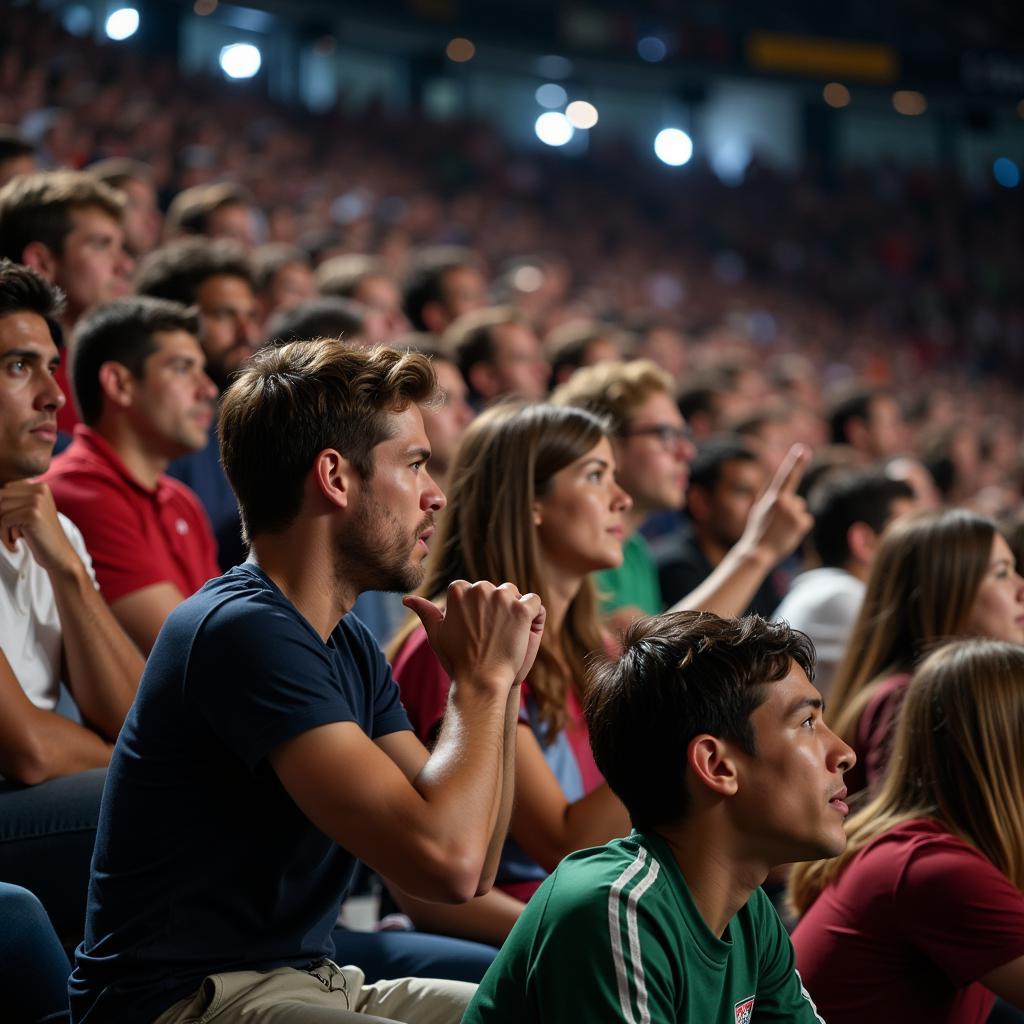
582	343
17	155
725	479
445	421
144	399
69	228
669	925
270	726
282	277
652	452
222	210
922	916
870	422
324	317
935	576
533	500
216	278
143	221
498	354
365	280
54	627
444	283
850	511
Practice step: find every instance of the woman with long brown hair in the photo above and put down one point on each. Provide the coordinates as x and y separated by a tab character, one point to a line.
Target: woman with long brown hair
533	500
935	576
922	916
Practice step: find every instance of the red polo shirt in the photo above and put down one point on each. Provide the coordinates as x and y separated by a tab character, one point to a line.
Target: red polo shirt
136	536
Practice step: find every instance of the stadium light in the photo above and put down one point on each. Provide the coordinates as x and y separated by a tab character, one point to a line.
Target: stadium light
581	114
554	129
122	23
673	146
240	60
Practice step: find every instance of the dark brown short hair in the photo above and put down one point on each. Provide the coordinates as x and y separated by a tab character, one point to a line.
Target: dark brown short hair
37	208
121	331
291	402
681	674
177	270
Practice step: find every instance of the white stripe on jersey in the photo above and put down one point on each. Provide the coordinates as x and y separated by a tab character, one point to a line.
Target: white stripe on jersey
634	940
622	971
807	995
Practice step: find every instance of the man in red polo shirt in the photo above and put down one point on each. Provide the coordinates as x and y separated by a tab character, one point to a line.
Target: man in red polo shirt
144	399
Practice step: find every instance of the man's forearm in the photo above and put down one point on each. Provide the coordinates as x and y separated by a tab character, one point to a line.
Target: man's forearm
103	665
729	590
462	781
508	788
52	746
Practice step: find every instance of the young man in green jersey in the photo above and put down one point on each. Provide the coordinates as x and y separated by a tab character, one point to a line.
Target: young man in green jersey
711	733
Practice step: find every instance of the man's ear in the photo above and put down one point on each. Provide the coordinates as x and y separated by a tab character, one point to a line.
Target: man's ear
117	383
482	380
861	541
42	259
334	477
710	759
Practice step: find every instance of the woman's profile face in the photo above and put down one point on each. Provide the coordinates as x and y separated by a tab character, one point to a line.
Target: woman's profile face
998	609
579	521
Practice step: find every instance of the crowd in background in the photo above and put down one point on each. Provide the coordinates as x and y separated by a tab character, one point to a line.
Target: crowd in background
845	352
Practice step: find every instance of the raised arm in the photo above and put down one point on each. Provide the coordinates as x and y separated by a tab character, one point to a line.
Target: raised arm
778	522
102	666
36	745
432	836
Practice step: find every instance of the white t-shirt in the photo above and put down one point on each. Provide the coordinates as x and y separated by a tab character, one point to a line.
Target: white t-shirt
30	629
823	603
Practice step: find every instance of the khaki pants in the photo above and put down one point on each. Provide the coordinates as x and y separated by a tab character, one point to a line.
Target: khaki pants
322	994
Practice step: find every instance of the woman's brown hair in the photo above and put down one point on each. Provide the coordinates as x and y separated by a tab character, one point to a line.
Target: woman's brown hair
505	462
923	582
958	758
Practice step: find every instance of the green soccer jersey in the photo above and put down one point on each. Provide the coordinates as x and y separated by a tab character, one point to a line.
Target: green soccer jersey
613	935
634	583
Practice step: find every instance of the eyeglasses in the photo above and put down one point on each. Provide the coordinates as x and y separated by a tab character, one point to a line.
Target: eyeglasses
668	435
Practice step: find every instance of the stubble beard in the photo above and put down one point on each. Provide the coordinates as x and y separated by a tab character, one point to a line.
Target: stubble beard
377	555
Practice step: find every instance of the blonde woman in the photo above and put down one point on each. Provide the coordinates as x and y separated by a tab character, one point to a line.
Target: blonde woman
935	576
921	918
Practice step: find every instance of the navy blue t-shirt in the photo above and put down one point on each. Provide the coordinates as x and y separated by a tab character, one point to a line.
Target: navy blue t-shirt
203	863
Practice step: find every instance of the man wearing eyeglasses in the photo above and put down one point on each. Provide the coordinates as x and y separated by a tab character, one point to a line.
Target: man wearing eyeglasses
653	451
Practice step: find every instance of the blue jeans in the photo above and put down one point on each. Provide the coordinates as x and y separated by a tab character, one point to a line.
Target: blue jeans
47	834
33	968
386	955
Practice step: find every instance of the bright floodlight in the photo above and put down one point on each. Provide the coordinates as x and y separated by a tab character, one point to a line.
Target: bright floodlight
553	128
673	146
122	23
240	60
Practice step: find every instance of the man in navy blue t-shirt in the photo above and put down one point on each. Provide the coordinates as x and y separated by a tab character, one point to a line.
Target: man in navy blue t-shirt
267	749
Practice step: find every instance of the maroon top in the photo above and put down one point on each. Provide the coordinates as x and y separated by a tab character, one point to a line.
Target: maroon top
875	730
912	922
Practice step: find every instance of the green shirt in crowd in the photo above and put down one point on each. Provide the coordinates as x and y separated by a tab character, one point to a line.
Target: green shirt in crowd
634	583
614	935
